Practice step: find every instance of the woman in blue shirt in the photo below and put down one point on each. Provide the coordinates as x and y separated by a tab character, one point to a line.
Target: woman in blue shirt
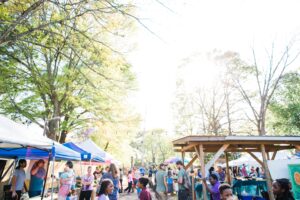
38	174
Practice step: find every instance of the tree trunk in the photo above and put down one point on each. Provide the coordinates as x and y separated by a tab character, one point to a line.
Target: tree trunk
228	115
53	127
63	136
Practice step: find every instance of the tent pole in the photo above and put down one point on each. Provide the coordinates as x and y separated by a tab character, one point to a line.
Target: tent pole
52	181
52	178
46	177
81	170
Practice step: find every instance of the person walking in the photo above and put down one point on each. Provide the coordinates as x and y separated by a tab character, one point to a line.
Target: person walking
161	182
183	192
112	174
37	176
87	185
130	182
18	180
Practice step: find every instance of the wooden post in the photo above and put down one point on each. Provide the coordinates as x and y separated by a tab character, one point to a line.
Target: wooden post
182	156
227	169
267	172
202	170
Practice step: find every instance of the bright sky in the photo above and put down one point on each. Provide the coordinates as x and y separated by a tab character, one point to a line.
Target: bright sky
199	26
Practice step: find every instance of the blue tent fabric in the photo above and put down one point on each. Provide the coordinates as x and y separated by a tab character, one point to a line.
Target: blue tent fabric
30	153
85	155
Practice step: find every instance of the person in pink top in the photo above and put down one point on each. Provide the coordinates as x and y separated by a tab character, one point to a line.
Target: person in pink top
130	182
244	171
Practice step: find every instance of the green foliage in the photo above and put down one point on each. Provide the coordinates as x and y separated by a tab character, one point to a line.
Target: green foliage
285	106
155	146
60	60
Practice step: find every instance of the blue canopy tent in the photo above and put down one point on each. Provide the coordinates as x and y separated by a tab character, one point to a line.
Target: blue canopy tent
90	146
85	155
19	141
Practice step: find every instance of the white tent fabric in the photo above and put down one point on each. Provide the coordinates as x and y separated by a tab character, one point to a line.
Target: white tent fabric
250	161
14	135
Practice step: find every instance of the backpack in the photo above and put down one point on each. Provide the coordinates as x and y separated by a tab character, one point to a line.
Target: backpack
186	181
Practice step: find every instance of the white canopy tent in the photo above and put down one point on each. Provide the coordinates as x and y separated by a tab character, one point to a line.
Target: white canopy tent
250	161
14	135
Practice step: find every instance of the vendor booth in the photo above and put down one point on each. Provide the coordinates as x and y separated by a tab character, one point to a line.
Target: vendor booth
17	141
267	146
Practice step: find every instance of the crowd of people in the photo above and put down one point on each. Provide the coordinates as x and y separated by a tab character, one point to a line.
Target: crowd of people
107	183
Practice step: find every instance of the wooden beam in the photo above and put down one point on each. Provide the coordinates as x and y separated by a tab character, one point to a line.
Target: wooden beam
191	162
268	155
267	172
274	155
227	169
216	157
202	170
197	152
255	158
188	147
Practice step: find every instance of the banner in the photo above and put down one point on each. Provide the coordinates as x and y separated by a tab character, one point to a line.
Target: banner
295	179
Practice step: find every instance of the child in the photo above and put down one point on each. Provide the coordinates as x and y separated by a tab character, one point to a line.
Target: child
175	185
66	181
170	184
106	188
72	195
142	184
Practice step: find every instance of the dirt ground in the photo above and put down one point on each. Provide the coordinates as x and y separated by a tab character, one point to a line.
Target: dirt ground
133	196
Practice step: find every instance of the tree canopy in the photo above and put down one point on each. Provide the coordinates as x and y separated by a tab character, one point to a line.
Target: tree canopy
60	65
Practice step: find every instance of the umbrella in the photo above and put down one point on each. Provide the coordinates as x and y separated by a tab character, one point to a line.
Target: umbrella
175	159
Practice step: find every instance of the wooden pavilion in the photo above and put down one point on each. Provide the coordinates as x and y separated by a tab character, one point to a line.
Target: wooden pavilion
267	145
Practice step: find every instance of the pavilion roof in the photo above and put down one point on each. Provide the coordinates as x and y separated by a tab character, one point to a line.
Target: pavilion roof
236	143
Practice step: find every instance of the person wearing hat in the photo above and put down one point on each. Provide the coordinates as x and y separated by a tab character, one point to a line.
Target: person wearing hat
161	182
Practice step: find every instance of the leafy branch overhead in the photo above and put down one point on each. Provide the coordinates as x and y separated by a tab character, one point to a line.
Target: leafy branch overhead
60	62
